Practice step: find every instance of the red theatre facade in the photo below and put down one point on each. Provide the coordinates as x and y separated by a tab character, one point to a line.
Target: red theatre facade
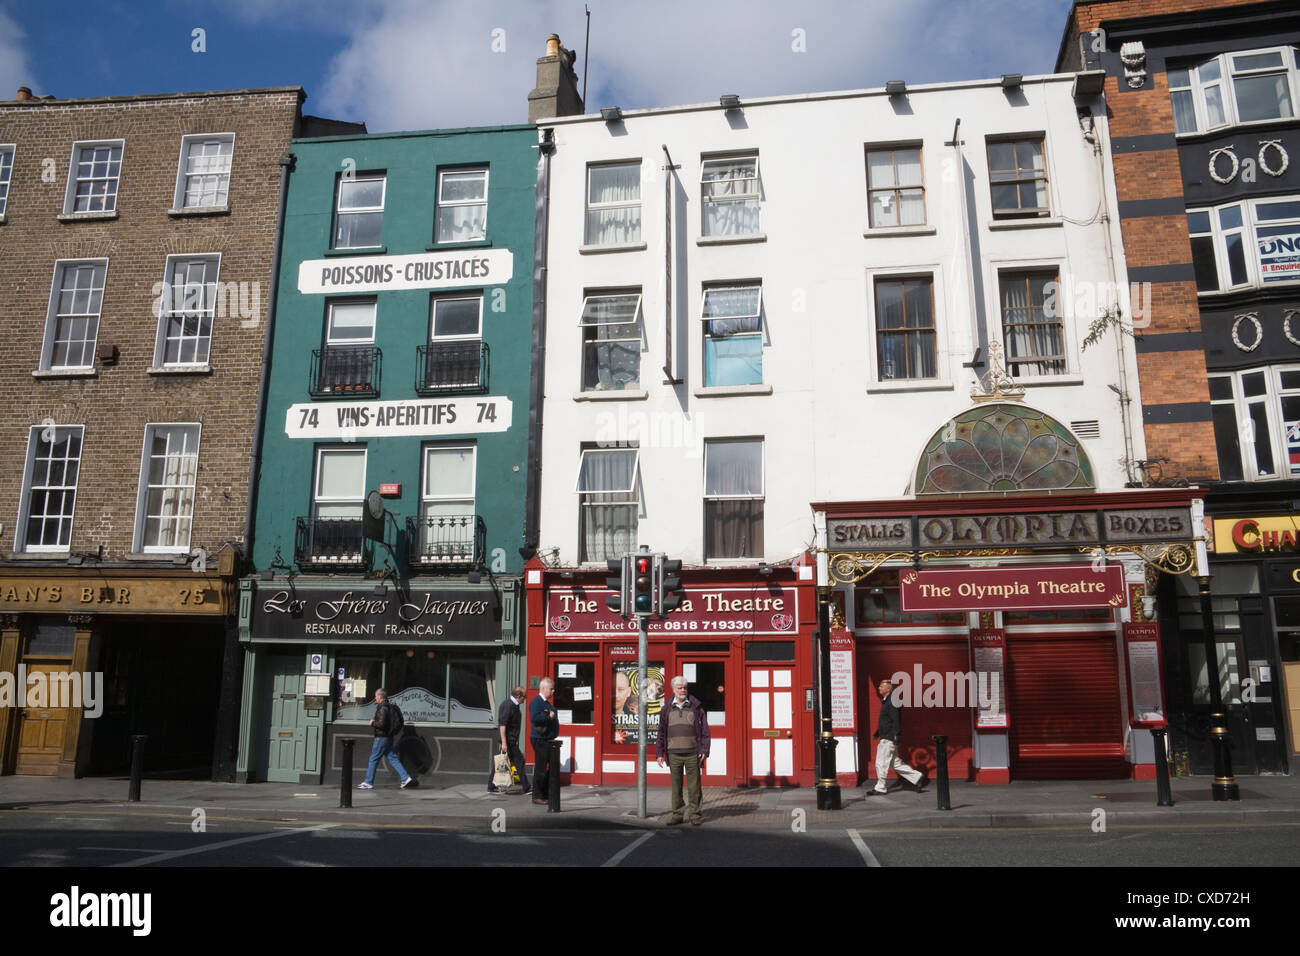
742	638
1005	597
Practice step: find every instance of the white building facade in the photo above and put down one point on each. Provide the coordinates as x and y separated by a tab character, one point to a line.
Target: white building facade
753	308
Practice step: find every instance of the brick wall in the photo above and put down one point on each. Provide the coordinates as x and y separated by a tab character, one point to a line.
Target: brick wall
118	402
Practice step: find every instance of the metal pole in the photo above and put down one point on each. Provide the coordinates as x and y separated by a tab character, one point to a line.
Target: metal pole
1224	786
553	775
345	774
137	766
944	802
828	789
642	625
1164	798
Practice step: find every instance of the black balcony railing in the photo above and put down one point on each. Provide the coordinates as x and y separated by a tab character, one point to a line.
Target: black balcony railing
345	371
330	543
451	367
445	541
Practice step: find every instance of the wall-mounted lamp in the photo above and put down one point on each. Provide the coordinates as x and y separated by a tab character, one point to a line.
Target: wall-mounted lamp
1011	81
729	101
1149	607
896	87
474	577
764	569
611	114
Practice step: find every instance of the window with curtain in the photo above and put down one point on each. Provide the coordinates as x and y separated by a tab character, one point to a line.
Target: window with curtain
733	334
611	341
730	196
203	180
609	502
447	508
733	498
1031	324
338	494
462	205
905	335
50	489
613	204
1018	178
895	188
455	342
169	472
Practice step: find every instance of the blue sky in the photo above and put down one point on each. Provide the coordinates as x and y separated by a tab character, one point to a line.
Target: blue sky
419	64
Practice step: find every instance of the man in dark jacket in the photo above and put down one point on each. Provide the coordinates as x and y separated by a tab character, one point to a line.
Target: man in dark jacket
684	738
508	719
888	728
383	722
544	726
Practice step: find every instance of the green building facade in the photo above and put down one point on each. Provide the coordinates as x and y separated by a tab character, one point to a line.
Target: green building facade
392	475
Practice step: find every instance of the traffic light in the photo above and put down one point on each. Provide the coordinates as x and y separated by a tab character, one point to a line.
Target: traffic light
669	581
618	581
643	588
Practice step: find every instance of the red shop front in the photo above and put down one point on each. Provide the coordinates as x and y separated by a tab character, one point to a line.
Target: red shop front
742	639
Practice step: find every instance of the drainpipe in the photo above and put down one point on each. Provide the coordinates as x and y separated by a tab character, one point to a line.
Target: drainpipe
537	383
255	456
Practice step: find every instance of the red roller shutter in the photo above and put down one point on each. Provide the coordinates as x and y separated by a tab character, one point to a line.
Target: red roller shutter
882	661
1064	699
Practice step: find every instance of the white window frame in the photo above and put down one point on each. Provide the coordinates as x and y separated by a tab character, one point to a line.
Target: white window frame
1197	87
895	191
143	495
444	203
1062	316
428	541
339	211
170	305
61	266
184	175
631	496
331	304
1250	228
746	190
591	326
7	153
475	336
34	435
1271	399
335	500
591	207
761	496
758	333
70	194
1024	174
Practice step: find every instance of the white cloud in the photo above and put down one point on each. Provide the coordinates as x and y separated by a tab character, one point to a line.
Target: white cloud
15	69
421	65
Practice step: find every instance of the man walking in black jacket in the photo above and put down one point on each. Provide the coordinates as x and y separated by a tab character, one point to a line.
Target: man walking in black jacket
888	729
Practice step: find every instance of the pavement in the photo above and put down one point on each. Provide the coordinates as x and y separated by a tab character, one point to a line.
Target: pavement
1265	800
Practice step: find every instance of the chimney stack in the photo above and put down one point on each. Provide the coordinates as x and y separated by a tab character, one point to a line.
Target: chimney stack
557	84
24	93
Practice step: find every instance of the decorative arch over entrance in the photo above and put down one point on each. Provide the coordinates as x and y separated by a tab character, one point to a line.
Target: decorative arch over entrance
1002	447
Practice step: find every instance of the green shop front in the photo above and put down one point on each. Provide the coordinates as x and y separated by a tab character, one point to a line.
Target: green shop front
317	651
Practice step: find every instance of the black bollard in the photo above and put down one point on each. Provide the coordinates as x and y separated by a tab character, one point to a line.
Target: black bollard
345	774
1164	798
941	772
137	766
553	779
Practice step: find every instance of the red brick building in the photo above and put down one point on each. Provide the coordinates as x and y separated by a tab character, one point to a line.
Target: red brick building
137	241
1203	98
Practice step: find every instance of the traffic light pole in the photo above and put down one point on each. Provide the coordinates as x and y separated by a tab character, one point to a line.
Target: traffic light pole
642	626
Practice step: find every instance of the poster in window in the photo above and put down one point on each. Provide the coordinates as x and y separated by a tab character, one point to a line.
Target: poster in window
627	699
1293	447
1279	256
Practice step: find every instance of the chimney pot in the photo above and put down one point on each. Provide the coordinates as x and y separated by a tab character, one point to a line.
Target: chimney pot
24	93
553	45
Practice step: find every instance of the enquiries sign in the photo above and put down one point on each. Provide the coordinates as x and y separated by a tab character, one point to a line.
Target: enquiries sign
1027	588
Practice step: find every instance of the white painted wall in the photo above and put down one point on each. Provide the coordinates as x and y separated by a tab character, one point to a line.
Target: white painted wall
831	430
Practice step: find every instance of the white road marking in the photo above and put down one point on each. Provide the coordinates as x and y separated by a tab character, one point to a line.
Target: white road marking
867	856
621	855
114	849
160	857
